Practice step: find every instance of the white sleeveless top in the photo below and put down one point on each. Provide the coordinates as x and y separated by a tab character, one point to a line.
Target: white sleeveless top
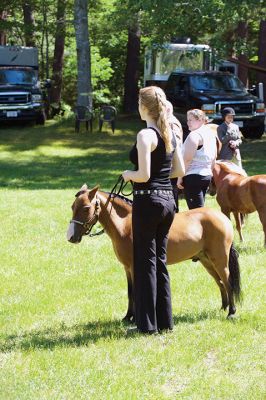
203	159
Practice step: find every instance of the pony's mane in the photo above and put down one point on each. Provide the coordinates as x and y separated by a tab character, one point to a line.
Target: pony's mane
125	199
230	167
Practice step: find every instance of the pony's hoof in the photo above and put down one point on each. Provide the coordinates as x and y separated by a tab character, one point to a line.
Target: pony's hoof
224	306
129	319
231	317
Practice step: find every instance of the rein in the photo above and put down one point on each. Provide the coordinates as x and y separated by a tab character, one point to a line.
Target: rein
88	225
122	186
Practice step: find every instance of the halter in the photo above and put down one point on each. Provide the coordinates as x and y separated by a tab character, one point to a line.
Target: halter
88	225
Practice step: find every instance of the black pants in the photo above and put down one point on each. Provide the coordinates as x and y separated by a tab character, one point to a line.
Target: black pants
152	217
195	187
175	192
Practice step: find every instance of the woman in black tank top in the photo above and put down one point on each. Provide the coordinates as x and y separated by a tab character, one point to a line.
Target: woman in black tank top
155	157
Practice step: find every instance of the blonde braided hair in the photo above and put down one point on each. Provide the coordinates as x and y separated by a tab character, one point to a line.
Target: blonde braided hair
154	99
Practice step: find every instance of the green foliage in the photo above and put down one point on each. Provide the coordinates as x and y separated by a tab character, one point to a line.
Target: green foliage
101	73
204	21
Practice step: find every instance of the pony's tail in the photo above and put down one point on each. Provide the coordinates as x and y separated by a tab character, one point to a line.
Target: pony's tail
234	278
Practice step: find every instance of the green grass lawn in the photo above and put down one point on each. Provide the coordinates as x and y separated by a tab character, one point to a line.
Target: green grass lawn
61	335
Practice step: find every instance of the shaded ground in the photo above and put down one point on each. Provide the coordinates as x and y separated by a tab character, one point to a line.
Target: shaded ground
27	162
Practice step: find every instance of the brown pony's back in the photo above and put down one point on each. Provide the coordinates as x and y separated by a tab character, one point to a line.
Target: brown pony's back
239	193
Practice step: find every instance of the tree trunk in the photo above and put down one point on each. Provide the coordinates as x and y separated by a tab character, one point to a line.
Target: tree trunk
29	29
262	55
84	89
242	33
132	68
55	93
3	37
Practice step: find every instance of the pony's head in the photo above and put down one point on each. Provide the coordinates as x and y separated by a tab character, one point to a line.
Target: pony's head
85	214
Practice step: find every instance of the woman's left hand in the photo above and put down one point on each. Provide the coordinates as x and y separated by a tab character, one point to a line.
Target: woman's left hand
126	175
232	144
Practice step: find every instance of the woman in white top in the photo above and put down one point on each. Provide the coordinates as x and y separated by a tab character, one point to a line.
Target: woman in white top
199	152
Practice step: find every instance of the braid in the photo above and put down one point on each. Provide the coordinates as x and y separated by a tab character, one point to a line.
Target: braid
162	121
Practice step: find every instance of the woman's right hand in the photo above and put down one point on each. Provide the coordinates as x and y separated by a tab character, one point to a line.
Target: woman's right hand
127	175
180	183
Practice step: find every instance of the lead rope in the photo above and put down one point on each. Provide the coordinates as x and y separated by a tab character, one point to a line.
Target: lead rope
122	186
120	181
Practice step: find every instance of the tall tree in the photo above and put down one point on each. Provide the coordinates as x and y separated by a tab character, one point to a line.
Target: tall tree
242	35
132	67
3	36
84	88
29	28
56	89
262	54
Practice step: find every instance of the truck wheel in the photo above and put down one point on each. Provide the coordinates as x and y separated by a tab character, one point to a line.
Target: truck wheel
255	133
41	119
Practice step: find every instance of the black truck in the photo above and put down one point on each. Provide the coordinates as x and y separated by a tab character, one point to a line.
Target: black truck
212	91
21	96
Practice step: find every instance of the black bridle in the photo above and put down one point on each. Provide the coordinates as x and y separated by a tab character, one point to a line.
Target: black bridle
88	225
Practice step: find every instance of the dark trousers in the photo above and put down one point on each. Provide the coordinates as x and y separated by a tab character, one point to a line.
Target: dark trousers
195	188
152	217
175	193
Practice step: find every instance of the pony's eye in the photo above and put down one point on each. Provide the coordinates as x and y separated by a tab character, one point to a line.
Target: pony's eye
86	207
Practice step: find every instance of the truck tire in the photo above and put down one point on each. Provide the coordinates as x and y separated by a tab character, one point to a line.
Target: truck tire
41	119
255	133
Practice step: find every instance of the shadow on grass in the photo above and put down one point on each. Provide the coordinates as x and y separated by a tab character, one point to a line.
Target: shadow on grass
86	334
250	248
192	318
61	173
55	157
253	155
64	336
67	159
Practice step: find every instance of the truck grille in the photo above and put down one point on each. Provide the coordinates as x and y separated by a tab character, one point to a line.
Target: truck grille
10	98
240	108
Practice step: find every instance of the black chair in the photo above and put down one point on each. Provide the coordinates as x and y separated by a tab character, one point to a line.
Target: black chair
107	114
83	114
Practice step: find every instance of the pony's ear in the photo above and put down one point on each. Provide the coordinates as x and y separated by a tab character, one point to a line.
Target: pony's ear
93	192
83	189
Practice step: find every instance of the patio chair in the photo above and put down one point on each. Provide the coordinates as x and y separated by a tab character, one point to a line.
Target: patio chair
107	114
83	114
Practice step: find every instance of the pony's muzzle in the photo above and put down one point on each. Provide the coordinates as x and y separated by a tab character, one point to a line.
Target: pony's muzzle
71	236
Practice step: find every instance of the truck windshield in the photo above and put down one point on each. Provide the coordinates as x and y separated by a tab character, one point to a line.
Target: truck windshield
17	77
213	83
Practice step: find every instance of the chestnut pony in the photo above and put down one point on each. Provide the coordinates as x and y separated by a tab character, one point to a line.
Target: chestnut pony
201	234
239	193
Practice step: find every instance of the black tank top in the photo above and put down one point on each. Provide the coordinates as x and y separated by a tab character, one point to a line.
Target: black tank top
161	163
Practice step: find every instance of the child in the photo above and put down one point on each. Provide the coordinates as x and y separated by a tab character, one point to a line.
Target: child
230	137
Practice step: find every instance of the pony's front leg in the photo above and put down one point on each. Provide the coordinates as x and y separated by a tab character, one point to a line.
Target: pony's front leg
238	225
262	216
130	315
226	212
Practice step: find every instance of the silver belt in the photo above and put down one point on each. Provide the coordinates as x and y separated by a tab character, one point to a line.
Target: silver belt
155	191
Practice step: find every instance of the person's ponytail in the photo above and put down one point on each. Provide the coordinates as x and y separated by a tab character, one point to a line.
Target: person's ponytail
154	99
162	122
